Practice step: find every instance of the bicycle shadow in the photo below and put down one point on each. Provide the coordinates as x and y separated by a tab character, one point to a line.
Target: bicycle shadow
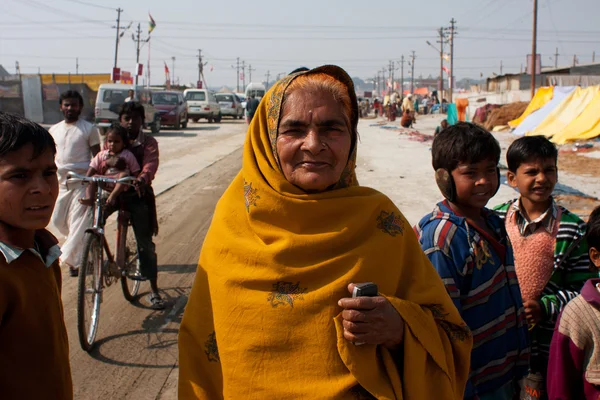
158	333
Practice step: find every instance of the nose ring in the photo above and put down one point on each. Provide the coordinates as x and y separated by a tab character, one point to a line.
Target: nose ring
323	144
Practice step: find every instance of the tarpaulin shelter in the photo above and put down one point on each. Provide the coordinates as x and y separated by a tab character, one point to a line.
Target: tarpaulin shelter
534	119
541	98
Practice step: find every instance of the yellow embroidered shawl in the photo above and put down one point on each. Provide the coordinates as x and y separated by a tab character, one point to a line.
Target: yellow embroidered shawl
262	321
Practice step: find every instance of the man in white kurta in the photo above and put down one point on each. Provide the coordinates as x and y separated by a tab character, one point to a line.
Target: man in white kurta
77	141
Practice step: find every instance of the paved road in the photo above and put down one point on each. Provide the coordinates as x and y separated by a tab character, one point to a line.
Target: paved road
136	353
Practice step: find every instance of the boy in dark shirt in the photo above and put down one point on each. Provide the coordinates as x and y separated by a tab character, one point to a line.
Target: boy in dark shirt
34	349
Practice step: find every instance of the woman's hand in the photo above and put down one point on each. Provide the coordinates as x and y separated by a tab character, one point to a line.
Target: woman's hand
371	320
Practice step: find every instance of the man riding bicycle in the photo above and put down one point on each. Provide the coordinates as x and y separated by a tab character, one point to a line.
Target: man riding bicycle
143	208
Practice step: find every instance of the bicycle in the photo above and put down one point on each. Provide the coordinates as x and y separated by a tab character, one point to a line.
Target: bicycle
99	269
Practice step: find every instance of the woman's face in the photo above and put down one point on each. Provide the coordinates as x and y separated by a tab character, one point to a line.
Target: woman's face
314	140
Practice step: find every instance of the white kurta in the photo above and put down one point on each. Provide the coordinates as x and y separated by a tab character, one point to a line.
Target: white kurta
73	153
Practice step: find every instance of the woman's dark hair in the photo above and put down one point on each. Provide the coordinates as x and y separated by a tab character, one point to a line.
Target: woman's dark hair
131	108
530	148
592	235
119	130
16	132
71	94
463	142
301	69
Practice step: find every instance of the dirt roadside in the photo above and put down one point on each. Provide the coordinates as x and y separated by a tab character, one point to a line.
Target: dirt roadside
136	352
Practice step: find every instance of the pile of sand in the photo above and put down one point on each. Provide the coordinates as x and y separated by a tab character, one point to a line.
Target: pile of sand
502	115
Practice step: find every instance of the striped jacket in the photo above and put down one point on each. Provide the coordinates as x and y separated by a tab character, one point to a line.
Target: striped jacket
566	281
485	291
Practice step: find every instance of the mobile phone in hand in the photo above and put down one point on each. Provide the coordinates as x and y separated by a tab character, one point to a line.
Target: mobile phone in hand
367	289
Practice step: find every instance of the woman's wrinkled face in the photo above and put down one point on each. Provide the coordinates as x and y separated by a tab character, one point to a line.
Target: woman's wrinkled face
314	140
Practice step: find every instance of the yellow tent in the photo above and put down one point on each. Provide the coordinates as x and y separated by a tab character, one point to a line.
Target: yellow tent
566	112
543	96
586	126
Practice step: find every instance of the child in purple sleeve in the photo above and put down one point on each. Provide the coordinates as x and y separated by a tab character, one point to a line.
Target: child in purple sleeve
574	366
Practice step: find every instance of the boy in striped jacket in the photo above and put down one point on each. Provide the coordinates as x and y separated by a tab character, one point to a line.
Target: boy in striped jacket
468	246
551	258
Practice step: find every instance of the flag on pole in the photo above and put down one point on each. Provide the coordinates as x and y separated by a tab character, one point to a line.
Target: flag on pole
446	70
151	24
166	68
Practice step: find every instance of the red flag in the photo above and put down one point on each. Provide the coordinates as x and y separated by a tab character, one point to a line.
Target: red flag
166	69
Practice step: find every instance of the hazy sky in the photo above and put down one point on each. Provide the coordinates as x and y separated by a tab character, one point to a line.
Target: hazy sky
361	36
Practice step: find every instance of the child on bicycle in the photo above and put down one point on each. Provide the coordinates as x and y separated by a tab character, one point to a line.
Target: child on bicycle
34	348
113	162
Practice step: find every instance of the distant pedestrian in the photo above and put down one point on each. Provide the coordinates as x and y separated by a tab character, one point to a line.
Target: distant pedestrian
251	107
443	125
34	348
130	96
77	141
407	119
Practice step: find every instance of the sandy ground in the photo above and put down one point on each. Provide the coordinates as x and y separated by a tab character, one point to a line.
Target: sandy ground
136	354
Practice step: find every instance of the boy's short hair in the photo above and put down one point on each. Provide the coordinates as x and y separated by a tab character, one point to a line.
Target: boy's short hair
530	148
132	107
16	132
463	142
71	94
592	235
119	130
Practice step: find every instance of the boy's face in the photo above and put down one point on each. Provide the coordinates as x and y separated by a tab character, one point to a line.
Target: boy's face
535	179
28	188
475	183
133	123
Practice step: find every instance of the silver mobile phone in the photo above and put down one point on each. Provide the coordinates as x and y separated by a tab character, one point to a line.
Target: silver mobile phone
367	289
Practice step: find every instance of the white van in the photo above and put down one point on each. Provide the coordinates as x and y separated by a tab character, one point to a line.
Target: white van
201	103
256	89
111	96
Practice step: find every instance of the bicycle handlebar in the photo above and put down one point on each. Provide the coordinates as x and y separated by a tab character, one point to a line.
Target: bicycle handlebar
72	177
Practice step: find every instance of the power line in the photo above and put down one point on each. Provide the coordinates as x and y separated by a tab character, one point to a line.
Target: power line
90	4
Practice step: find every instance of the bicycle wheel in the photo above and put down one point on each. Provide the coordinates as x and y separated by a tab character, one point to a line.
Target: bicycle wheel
89	291
132	264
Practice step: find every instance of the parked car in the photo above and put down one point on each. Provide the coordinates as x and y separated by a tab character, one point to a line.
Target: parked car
231	106
242	97
172	108
111	97
202	103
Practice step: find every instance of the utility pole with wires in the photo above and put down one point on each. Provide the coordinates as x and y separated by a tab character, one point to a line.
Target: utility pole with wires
391	74
384	86
250	69
137	51
173	79
244	74
556	58
412	74
76	66
119	11
534	48
237	68
267	75
441	42
500	67
402	75
452	31
575	60
201	69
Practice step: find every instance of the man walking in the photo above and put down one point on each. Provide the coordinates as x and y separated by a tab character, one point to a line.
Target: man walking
251	107
77	141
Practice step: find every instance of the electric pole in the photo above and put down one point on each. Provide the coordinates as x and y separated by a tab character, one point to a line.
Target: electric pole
173	79
119	11
383	79
250	69
77	66
534	48
441	42
137	52
237	68
391	74
452	33
402	76
556	58
500	67
200	67
244	74
268	75
412	74
574	59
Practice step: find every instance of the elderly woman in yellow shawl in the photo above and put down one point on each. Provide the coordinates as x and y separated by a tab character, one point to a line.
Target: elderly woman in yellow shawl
270	314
